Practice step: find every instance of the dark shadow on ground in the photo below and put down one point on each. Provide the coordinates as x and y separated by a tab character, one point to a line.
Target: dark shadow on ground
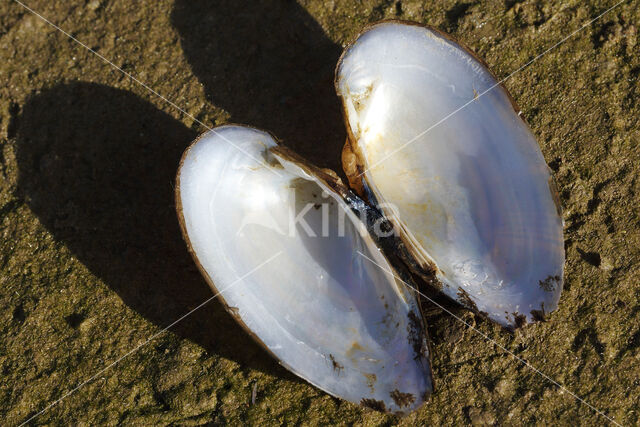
97	166
270	65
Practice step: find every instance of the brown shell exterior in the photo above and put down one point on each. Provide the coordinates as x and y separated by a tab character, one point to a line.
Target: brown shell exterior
352	168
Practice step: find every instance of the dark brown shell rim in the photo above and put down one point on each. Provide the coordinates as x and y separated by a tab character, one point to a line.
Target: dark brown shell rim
185	237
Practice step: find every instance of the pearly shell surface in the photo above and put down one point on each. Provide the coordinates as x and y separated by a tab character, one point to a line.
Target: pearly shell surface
325	312
441	150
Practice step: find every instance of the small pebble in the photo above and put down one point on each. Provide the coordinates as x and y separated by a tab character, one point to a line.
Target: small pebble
254	392
93	4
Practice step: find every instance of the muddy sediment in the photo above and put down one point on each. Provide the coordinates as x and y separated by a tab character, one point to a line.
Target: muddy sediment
92	263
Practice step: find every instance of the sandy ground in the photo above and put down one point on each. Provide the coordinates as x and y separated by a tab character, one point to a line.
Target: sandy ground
92	262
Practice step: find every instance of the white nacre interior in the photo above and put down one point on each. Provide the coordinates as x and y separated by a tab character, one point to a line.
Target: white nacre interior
327	313
455	168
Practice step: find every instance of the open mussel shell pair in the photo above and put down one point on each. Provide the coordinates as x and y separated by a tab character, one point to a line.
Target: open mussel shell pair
467	195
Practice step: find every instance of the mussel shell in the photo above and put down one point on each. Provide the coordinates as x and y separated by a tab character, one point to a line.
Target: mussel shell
434	141
325	312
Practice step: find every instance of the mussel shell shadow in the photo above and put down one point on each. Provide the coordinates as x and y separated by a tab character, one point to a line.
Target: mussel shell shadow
97	165
270	66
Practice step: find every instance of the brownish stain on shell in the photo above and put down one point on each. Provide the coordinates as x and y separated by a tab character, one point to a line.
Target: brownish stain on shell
371	381
334	363
550	283
465	299
402	399
376	405
416	336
